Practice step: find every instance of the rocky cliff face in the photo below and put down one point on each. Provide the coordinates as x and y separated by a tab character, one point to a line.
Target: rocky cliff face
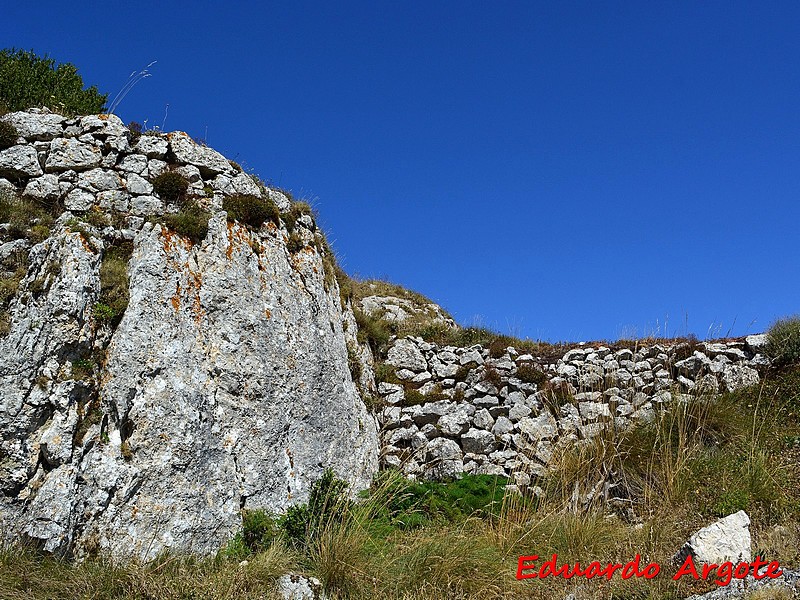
224	385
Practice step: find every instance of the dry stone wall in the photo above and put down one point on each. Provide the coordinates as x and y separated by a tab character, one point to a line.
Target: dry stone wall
459	410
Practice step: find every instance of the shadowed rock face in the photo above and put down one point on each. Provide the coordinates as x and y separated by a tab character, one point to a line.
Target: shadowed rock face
225	385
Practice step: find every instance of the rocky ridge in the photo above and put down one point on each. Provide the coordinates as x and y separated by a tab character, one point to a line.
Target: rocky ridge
224	384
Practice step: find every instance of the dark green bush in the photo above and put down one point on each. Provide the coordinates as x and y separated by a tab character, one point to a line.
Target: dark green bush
27	80
411	504
783	341
8	135
170	186
250	210
114	295
327	502
28	219
191	221
259	529
295	524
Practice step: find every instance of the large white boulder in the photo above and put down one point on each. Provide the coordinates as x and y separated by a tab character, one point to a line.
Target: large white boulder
727	539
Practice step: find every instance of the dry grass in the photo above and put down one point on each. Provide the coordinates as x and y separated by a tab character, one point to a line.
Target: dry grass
695	462
25	575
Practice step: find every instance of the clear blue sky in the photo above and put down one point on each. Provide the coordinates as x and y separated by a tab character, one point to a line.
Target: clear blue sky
560	170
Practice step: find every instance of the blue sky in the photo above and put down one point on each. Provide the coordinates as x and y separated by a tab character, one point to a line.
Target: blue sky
559	171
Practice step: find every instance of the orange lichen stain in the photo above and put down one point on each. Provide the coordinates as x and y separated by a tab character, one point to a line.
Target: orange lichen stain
194	284
229	251
168	239
237	237
84	243
176	299
291	458
197	307
268	313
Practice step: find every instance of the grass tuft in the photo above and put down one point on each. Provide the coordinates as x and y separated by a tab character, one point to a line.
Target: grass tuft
783	341
250	210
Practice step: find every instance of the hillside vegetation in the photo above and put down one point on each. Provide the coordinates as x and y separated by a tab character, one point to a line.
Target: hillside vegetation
28	80
698	461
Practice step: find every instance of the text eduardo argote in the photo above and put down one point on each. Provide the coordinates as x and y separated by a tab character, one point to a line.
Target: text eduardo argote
529	568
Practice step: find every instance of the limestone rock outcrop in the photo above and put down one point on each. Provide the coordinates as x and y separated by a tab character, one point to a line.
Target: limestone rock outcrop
727	539
224	386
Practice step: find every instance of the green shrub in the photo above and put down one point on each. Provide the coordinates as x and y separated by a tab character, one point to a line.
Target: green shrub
82	368
9	286
191	221
103	312
28	219
413	504
327	502
259	530
529	373
27	80
8	135
295	524
114	294
97	217
783	341
170	186
250	210
413	397
385	373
